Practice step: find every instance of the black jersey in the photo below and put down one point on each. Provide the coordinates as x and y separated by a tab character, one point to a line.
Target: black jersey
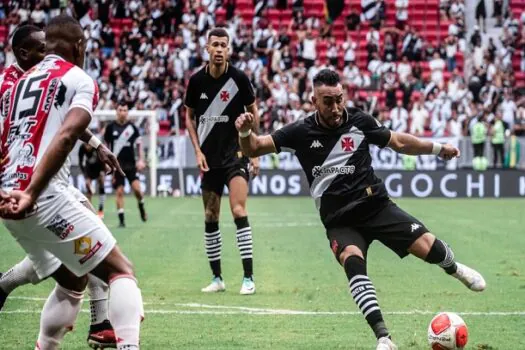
88	157
337	163
216	104
121	140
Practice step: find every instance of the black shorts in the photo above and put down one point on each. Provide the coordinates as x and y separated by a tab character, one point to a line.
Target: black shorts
93	171
131	175
215	179
392	226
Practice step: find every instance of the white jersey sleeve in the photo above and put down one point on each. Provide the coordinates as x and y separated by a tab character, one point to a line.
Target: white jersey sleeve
83	90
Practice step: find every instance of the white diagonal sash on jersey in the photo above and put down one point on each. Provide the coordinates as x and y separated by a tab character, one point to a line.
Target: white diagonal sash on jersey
123	138
336	158
216	108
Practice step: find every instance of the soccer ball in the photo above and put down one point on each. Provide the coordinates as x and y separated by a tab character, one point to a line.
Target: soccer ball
447	331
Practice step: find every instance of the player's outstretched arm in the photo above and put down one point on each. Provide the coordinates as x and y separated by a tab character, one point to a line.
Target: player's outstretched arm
411	145
251	144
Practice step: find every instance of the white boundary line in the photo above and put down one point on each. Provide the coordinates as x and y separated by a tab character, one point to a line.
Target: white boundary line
208	309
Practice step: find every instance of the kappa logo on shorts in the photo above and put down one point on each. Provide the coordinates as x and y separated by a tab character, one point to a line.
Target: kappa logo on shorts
60	227
334	245
414	227
90	253
82	245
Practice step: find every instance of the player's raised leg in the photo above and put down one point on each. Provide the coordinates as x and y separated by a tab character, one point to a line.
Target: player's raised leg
213	239
435	251
238	186
135	186
350	248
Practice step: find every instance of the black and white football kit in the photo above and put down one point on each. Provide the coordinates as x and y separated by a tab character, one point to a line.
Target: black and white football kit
353	203
121	139
88	161
216	104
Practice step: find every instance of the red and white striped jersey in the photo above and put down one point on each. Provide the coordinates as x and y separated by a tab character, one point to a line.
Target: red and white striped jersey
33	111
9	77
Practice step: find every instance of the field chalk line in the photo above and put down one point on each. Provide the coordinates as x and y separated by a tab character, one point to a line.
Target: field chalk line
208	309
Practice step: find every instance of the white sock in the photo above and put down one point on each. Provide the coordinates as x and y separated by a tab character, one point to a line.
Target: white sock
125	307
58	316
20	274
98	299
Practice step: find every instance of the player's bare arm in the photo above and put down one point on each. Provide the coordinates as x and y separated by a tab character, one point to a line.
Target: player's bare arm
191	125
251	144
254	162
411	145
75	124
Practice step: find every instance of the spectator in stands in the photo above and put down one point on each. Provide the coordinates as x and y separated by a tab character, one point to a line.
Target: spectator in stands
481	14
372	42
404	69
390	86
401	14
451	51
437	66
399	118
454	127
508	109
389	48
349	47
309	49
375	68
419	116
498	129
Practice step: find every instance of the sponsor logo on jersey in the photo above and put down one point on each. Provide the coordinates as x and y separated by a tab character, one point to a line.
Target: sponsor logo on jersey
214	119
60	227
82	245
316	144
26	157
414	227
90	253
318	171
204	96
21	131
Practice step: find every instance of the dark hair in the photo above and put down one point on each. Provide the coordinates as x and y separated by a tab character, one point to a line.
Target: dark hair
219	32
326	77
63	26
22	34
122	103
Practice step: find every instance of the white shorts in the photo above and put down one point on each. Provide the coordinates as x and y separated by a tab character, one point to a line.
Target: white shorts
62	231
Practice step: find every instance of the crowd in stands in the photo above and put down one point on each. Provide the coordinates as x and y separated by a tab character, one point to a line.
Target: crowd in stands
143	52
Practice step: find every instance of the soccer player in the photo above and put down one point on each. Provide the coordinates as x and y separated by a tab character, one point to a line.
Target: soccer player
29	49
353	203
47	110
215	96
92	169
122	136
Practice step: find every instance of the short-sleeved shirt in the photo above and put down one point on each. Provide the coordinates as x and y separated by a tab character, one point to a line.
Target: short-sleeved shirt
33	111
216	104
337	162
121	139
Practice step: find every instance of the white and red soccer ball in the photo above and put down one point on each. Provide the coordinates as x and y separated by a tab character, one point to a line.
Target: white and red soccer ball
447	331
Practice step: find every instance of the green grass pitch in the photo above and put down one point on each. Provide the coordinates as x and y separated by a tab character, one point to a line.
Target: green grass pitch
302	301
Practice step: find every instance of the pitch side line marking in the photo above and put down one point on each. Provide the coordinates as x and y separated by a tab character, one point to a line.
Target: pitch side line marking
238	310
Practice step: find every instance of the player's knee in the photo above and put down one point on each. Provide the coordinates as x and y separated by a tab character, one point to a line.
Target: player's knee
239	211
349	251
76	284
211	215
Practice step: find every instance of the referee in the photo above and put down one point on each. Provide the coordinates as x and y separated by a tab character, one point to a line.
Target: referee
216	95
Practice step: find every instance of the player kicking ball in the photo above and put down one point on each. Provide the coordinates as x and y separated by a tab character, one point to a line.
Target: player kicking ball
353	203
